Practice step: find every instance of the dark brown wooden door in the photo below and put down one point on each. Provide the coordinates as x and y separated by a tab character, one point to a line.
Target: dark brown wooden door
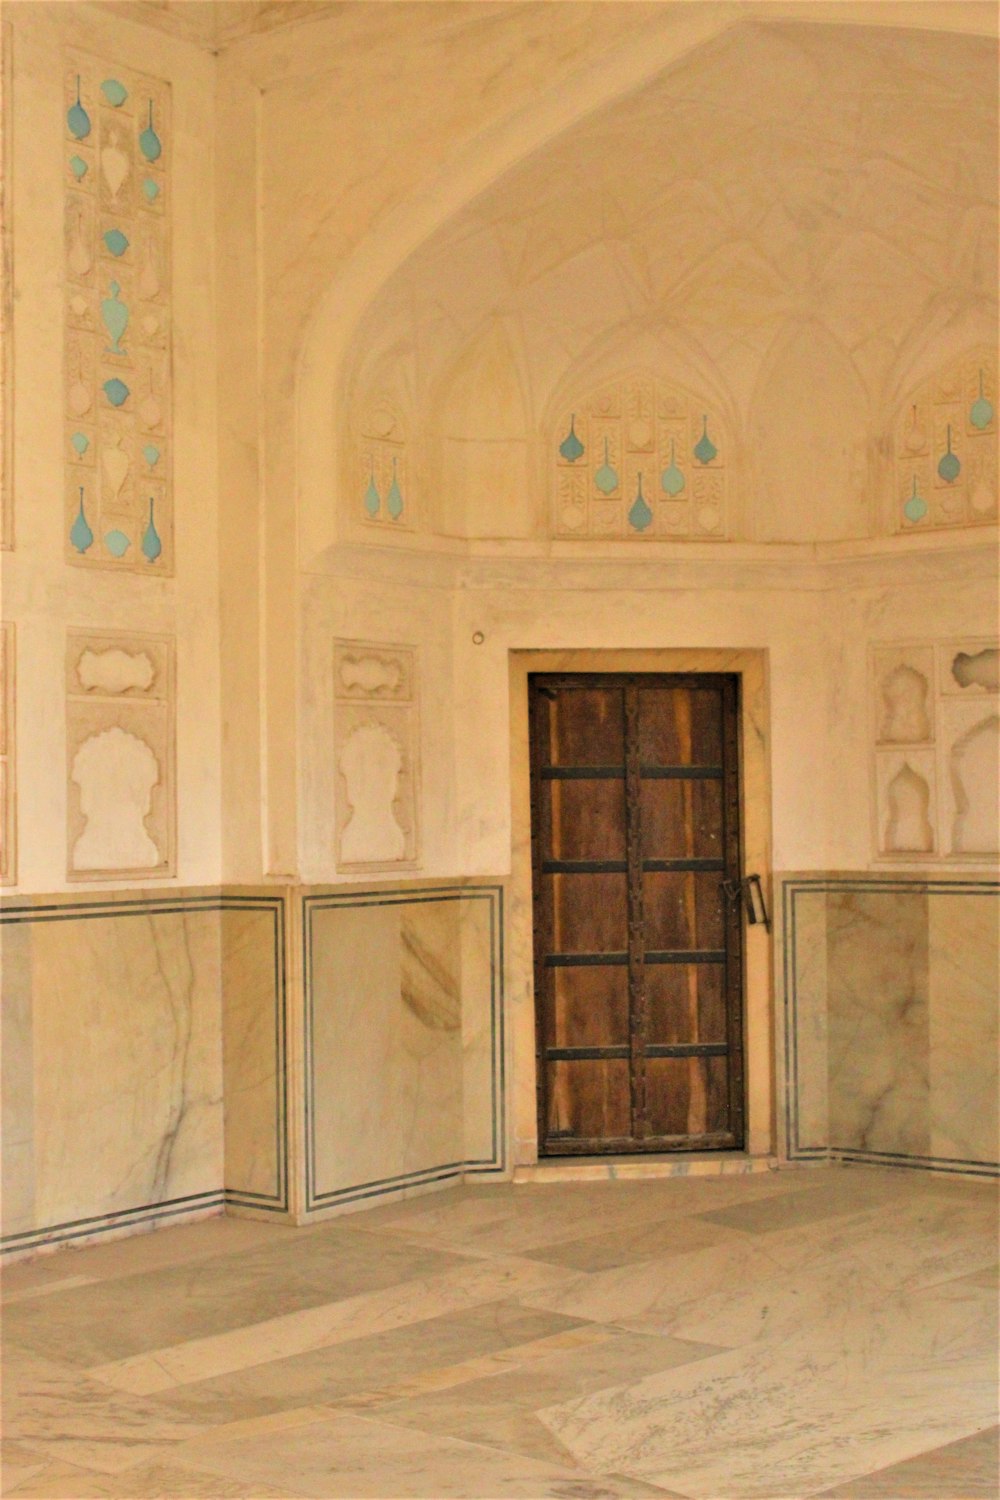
638	953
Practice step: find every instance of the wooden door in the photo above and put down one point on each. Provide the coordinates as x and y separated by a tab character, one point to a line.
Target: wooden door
638	952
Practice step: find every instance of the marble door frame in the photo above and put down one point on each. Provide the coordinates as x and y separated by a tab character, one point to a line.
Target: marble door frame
752	667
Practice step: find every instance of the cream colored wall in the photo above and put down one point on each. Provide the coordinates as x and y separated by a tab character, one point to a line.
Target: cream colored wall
41	594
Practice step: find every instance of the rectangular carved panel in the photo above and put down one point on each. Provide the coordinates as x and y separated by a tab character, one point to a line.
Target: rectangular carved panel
117	391
120	755
376	746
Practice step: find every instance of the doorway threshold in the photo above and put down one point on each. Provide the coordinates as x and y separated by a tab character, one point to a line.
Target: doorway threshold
637	1168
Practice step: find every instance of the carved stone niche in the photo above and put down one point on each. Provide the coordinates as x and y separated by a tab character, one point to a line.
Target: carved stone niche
906	803
970	765
902	695
376	750
969	668
119	756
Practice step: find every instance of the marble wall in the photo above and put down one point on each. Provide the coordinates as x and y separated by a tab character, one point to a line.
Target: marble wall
143	1044
888	1020
403	1039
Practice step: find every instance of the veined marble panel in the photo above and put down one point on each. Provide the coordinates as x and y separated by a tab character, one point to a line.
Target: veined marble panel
403	1039
963	944
112	1053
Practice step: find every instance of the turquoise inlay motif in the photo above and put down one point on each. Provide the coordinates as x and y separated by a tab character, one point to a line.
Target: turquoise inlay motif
151	544
149	142
571	448
117	543
949	466
394	499
981	414
80	533
115	316
77	117
916	507
373	500
78	167
151	454
151	188
116	391
81	442
672	479
640	516
606	477
116	242
116	93
705	450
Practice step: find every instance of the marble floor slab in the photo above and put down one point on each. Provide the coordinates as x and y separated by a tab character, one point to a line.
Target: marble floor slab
830	1331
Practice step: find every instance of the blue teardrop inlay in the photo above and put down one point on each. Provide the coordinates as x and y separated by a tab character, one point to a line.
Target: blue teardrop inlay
373	500
672	480
949	466
117	543
151	544
981	414
394	499
606	477
77	117
115	317
151	188
116	391
78	167
116	93
81	442
151	454
116	242
149	142
571	448
80	533
916	507
640	516
705	450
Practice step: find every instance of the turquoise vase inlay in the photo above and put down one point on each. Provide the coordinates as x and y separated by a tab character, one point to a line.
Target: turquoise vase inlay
571	448
116	241
151	188
78	167
151	544
640	516
117	543
672	480
981	414
115	318
949	466
394	499
81	442
77	117
149	142
151	454
705	450
115	92
116	391
606	477
373	500
916	507
80	533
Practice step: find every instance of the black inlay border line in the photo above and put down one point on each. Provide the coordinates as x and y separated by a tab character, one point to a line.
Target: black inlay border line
12	913
792	889
492	894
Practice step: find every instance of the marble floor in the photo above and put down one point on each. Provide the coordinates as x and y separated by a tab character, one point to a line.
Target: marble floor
819	1332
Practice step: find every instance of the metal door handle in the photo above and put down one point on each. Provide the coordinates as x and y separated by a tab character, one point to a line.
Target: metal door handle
751	893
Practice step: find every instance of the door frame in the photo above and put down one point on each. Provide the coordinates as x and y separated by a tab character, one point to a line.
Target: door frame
751	666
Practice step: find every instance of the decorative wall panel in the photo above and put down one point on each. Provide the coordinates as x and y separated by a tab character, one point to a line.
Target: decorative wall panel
117	413
946	447
6	293
639	457
376	745
8	817
120	755
382	469
935	732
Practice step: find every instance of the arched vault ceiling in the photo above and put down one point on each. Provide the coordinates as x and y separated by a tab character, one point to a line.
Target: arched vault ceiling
783	171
